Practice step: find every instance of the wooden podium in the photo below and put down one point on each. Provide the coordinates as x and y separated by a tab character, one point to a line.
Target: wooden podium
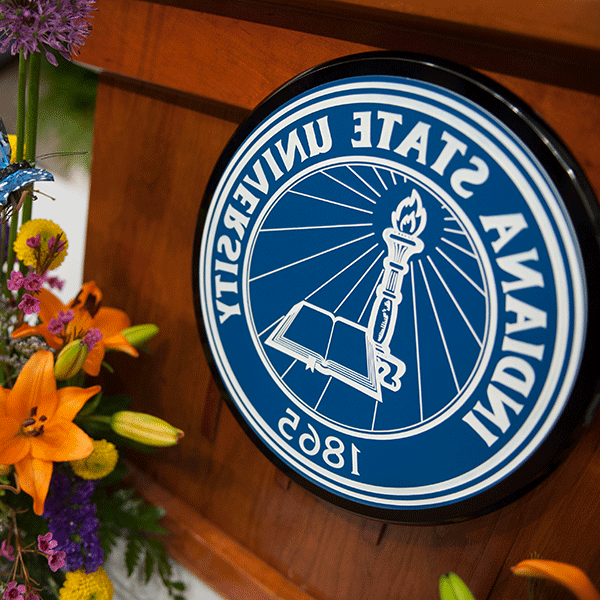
178	77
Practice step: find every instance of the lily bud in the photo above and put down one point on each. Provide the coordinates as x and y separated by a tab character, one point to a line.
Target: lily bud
138	335
70	360
146	429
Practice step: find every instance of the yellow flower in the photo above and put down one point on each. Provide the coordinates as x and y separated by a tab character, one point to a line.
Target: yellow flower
36	257
36	426
80	585
12	139
571	577
99	463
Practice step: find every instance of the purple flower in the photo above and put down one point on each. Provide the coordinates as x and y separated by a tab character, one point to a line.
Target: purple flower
54	282
66	317
16	281
55	326
55	245
7	551
91	338
48	24
33	282
71	517
29	304
46	544
56	560
34	242
14	591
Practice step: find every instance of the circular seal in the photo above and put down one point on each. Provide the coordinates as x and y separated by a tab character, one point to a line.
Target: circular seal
391	275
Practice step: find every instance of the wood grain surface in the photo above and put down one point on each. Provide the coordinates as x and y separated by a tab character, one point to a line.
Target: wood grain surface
163	116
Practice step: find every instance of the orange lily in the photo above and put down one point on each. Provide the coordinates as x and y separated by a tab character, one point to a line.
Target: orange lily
36	427
573	578
88	315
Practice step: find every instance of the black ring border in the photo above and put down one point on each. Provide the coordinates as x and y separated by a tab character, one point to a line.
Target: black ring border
581	205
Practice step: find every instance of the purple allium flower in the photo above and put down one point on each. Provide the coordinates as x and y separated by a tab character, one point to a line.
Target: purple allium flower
91	338
16	281
7	551
14	591
29	304
46	544
34	242
48	24
72	520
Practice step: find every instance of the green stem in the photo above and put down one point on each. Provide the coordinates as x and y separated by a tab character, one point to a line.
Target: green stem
21	96
33	97
14	222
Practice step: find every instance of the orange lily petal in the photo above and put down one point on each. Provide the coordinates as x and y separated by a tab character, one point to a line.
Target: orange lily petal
119	342
72	399
88	295
111	320
4	394
35	387
571	577
61	442
13	447
34	476
93	360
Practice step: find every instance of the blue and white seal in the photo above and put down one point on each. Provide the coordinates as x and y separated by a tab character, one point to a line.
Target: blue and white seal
393	294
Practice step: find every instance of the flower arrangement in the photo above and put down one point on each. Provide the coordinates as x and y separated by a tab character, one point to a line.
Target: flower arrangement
63	501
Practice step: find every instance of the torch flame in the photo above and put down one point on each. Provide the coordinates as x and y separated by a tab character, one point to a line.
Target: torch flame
410	217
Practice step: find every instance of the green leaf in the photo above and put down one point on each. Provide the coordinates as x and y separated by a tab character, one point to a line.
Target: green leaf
149	565
133	552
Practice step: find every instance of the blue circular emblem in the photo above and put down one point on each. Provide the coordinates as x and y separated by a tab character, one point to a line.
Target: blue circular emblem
391	274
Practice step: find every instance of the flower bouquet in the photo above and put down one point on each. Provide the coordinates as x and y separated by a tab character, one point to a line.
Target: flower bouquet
63	502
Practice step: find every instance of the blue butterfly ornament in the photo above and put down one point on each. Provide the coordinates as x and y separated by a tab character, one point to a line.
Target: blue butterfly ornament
14	177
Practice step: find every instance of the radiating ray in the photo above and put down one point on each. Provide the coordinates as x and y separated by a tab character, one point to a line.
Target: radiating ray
457	231
270	326
440	329
363	181
344	226
393	177
371	295
287	370
385	187
417	349
374	417
297	262
340	272
358	282
369	212
461	272
348	187
323	393
471	254
460	310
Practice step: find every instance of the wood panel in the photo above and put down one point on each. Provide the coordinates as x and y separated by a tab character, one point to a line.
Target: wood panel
154	149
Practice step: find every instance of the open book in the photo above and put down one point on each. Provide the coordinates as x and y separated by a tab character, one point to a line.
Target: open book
332	345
